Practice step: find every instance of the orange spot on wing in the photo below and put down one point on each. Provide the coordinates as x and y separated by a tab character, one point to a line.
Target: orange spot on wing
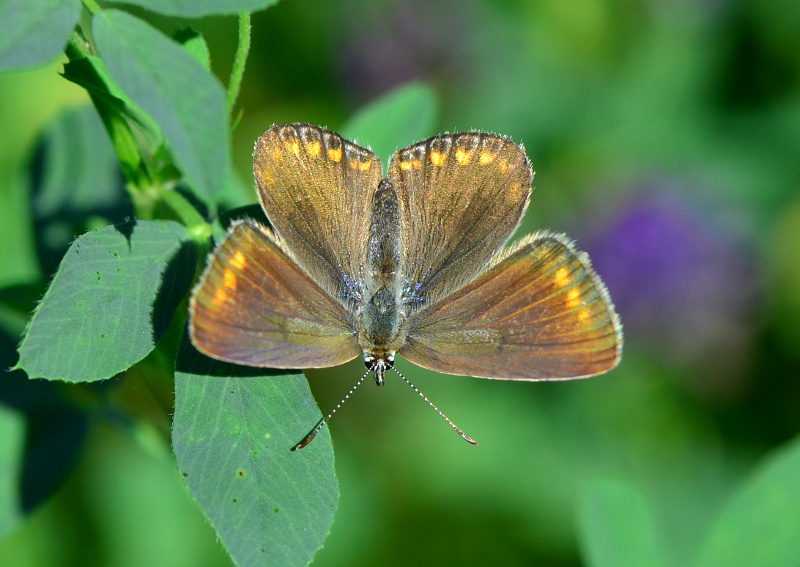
486	157
293	147
238	261
562	277
313	148
220	296
360	165
335	154
583	315
410	164
230	279
438	158
573	297
463	157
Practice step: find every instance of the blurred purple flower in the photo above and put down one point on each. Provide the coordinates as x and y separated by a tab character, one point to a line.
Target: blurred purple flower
683	285
393	43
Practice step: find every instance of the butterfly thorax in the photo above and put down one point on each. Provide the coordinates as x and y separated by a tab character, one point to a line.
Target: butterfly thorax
380	313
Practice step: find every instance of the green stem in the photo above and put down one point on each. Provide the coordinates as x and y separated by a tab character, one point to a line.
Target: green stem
190	217
119	131
124	142
92	7
146	191
78	46
239	60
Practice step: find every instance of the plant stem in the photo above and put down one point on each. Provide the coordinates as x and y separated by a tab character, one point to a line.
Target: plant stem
239	60
77	46
191	219
119	131
92	7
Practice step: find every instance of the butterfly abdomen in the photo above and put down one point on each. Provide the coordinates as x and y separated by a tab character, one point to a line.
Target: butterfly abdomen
380	311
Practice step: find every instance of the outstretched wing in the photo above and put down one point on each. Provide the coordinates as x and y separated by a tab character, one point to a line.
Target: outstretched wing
462	196
316	189
255	306
540	313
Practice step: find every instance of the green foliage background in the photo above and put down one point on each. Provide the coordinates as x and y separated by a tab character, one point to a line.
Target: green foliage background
665	138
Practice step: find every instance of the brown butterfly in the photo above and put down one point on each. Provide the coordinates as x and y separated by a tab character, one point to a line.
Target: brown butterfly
412	264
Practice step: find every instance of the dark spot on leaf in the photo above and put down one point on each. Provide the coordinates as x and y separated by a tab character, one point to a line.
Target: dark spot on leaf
240	473
185	475
276	510
235	501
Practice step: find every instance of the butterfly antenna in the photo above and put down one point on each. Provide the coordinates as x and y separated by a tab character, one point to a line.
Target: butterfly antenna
463	435
310	437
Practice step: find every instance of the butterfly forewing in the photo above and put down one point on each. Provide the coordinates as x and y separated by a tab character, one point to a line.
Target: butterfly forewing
255	306
462	196
540	313
316	189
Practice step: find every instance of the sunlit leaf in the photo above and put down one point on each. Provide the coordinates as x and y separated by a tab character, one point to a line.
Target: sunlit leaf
761	523
198	8
233	431
33	32
186	100
110	302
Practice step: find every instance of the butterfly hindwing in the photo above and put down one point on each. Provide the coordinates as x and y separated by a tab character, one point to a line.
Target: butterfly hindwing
539	313
255	306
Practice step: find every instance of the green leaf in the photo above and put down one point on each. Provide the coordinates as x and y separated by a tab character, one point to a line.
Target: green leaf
403	116
33	32
92	74
195	45
761	523
110	302
233	431
616	527
186	100
12	448
77	178
199	8
79	170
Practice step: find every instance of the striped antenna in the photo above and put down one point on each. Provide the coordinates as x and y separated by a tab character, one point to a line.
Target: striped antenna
310	437
463	435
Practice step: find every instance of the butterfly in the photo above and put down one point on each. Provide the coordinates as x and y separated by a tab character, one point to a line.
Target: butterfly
414	263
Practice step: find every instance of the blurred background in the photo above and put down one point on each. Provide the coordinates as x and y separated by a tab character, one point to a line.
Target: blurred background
665	136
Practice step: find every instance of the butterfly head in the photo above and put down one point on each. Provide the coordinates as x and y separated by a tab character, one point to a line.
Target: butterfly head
379	364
